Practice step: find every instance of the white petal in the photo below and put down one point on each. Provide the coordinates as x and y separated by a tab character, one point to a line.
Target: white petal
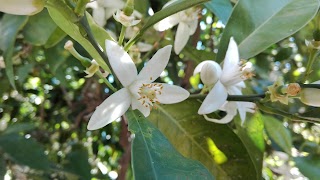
210	73
156	65
109	12
134	22
115	4
243	108
224	120
181	38
234	90
144	47
111	109
138	105
232	56
99	16
193	26
199	67
214	100
171	94
310	96
167	23
121	63
21	7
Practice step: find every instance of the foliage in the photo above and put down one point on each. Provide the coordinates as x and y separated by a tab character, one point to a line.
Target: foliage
46	102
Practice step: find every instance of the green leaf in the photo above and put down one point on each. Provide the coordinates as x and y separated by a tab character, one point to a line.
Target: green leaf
215	145
55	56
142	6
19	127
77	162
198	55
73	31
9	27
23	72
57	36
3	167
221	8
251	134
255	29
39	28
309	166
153	157
24	151
278	133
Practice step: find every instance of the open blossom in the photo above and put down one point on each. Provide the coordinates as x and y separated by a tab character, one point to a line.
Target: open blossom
21	7
228	80
104	9
188	22
138	90
311	96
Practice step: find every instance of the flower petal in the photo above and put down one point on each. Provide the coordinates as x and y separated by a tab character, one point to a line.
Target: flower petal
193	26
210	73
138	105
109	12
214	100
171	94
98	15
199	66
243	108
156	65
181	38
232	56
226	119
115	4
18	7
121	63
110	109
167	23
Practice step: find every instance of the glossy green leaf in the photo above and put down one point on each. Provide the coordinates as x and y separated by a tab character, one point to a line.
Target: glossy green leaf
57	36
215	145
309	166
9	27
198	55
39	28
153	157
19	127
256	25
278	133
221	8
24	151
77	162
73	31
251	134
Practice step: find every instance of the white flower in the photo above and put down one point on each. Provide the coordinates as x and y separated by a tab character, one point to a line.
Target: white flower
311	96
21	7
125	20
104	9
138	91
228	80
188	22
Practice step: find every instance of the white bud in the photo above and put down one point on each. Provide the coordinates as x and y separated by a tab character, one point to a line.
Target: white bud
209	74
311	96
21	7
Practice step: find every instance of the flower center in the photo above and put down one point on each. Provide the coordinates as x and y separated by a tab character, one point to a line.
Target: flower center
148	94
246	70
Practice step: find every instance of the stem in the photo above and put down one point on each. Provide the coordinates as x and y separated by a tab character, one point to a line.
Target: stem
246	98
316	86
312	58
85	25
121	38
106	81
132	41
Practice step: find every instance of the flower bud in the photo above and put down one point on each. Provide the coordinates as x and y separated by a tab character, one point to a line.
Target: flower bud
209	74
311	96
21	7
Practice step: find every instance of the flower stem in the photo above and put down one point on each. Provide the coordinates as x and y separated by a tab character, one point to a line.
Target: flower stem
121	37
316	86
85	25
246	98
106	81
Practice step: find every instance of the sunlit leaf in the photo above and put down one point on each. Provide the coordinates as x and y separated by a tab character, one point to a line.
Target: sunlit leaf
191	135
256	25
153	157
